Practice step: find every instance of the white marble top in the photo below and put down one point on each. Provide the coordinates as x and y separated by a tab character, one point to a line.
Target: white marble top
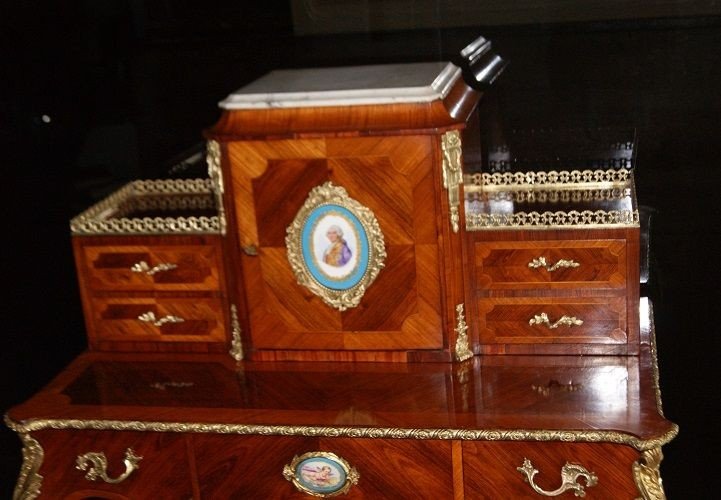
351	85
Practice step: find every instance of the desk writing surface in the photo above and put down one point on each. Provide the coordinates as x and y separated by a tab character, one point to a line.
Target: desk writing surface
615	395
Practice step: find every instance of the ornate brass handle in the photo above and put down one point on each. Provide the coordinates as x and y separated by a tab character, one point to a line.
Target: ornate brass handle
149	317
542	319
541	262
144	267
96	465
569	479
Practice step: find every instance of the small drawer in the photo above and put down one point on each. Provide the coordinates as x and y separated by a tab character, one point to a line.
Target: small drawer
543	320
152	268
158	320
550	264
598	470
91	464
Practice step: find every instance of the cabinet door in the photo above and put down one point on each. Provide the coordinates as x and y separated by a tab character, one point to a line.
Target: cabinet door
391	176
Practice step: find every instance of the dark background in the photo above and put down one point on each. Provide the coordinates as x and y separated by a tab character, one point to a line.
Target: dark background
97	93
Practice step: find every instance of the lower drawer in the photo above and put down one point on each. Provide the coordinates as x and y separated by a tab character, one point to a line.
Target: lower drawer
542	320
157	320
490	470
160	470
253	466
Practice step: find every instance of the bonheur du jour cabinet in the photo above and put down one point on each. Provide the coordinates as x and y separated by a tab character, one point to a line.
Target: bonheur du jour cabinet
352	304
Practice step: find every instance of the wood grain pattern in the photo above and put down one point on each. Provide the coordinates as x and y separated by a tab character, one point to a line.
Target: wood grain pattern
490	469
113	295
603	291
251	467
551	395
163	472
118	319
110	268
393	177
504	265
504	320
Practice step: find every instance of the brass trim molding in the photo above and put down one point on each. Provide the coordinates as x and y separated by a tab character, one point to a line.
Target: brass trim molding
463	350
236	344
29	482
94	220
536	195
568	436
552	178
452	174
647	475
551	220
212	159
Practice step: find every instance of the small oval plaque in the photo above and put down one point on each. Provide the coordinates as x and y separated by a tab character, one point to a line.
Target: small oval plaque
321	474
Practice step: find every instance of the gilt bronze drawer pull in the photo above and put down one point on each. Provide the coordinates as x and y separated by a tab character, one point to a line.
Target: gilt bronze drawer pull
541	262
143	267
542	319
96	465
569	479
149	317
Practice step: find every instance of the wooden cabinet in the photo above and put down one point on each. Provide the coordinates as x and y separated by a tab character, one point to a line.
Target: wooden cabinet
376	152
554	269
151	268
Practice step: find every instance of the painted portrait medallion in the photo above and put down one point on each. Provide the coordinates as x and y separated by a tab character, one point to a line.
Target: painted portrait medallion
321	474
335	246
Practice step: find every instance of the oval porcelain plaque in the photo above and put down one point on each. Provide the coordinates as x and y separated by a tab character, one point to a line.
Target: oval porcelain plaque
335	246
321	474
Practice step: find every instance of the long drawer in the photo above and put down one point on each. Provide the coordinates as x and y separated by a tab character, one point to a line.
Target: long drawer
264	467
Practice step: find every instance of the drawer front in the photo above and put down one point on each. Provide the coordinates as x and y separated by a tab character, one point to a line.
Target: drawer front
147	268
490	470
252	466
162	471
152	319
550	264
542	320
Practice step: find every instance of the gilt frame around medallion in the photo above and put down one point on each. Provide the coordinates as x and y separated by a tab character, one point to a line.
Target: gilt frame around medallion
335	246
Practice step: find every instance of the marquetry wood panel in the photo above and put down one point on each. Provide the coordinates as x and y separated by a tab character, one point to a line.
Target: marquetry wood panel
252	466
505	264
394	177
163	472
119	319
504	320
490	469
111	267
